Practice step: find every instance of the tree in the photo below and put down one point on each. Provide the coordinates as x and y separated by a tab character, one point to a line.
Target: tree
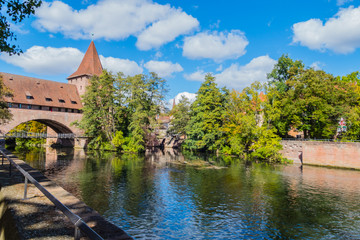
98	119
203	130
245	131
13	11
119	112
282	71
313	103
352	116
180	117
33	127
144	98
5	114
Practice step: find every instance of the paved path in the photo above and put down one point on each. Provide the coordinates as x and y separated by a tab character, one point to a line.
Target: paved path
36	217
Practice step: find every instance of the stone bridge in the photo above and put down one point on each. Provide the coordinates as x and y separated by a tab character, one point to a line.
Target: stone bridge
57	122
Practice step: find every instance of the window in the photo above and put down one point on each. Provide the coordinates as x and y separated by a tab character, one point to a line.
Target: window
29	106
62	100
73	102
29	97
48	99
9	104
19	105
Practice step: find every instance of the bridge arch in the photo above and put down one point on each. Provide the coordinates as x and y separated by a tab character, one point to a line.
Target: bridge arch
58	122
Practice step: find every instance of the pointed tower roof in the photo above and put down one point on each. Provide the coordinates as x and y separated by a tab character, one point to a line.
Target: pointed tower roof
90	65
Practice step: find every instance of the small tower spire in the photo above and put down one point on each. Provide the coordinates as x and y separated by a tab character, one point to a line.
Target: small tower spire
89	66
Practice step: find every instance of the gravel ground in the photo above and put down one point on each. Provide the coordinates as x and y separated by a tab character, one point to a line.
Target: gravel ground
36	217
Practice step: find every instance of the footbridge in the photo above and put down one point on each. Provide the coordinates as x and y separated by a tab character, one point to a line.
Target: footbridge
60	128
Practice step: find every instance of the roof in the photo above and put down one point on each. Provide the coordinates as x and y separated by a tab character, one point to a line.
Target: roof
90	65
40	89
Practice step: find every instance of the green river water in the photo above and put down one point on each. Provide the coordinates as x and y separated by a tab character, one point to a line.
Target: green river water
169	195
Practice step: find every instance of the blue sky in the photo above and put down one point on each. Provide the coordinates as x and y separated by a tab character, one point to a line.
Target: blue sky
237	41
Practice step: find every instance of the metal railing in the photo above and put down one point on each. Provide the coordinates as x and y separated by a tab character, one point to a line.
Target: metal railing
80	225
40	135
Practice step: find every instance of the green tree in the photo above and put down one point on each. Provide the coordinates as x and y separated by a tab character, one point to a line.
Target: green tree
246	133
203	129
313	103
282	71
352	116
5	114
98	119
13	11
180	117
33	127
144	99
119	112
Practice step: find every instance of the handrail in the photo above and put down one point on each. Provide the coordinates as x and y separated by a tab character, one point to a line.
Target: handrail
40	135
75	219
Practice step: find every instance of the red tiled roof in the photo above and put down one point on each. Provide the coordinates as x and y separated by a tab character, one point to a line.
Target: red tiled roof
90	65
40	89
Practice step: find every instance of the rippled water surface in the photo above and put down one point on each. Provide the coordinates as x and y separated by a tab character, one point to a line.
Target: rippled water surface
172	196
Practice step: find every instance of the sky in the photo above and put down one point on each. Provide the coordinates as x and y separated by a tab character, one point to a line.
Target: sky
235	40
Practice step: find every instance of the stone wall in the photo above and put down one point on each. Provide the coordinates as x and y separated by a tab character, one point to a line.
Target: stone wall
334	154
291	149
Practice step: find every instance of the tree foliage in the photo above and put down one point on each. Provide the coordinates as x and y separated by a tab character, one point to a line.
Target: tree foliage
313	102
206	117
13	11
119	111
33	127
244	128
5	114
180	117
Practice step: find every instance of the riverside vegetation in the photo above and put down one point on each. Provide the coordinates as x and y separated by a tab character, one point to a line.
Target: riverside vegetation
120	111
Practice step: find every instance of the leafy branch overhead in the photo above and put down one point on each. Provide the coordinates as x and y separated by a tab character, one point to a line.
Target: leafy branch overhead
13	11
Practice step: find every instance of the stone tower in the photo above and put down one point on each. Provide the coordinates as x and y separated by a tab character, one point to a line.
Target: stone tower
89	66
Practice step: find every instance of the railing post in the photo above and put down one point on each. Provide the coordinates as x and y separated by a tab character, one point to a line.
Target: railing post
77	234
25	188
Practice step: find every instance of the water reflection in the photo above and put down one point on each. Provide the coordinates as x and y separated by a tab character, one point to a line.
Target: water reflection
169	195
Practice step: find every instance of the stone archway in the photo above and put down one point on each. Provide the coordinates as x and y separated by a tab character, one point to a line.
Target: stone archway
57	122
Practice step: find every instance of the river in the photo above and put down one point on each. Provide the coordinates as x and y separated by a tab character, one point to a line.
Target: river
169	195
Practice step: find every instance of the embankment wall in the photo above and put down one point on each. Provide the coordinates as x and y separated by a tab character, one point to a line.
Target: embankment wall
334	154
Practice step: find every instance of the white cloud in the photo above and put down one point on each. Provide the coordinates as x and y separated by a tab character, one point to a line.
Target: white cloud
163	68
46	60
166	30
317	65
116	65
52	61
238	77
342	2
196	76
154	24
340	33
190	96
218	46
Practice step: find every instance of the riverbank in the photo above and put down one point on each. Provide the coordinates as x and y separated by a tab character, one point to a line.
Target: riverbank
322	153
36	217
